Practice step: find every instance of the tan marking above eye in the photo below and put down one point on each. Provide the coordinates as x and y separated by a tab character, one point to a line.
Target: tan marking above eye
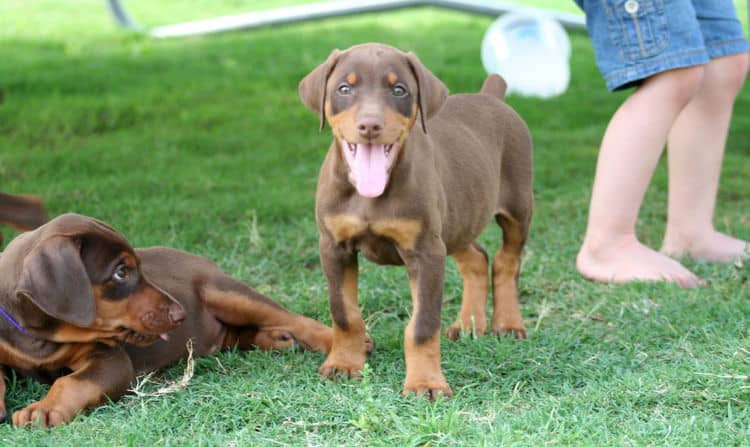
352	78
128	259
392	78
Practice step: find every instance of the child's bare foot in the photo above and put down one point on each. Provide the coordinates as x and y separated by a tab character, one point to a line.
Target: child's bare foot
626	260
710	246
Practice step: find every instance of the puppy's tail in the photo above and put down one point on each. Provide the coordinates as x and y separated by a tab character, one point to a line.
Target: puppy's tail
494	85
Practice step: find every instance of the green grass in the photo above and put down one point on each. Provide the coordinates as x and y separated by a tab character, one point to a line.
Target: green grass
203	144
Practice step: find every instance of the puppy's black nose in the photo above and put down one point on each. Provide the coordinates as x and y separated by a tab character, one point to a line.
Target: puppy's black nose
370	126
176	313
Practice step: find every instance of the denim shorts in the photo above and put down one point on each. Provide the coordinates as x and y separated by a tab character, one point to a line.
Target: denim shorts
634	39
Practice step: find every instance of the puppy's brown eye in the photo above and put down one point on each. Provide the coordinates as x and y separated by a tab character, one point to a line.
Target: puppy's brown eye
345	89
398	90
121	273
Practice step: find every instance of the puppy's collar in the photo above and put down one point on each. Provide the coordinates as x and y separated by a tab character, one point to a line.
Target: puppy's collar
13	321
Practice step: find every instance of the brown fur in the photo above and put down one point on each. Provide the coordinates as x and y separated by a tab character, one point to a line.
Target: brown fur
58	282
468	161
22	212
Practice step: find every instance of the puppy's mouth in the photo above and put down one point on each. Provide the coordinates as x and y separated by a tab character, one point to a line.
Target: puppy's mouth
369	165
139	338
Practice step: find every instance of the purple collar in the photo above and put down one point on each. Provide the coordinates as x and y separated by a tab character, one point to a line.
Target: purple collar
13	321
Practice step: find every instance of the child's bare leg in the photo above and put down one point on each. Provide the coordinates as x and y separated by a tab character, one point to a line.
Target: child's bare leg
630	150
696	147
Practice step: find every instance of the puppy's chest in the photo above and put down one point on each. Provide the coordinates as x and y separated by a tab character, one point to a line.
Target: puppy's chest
379	239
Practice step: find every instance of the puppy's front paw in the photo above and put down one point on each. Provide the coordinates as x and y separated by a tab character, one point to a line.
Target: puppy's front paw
467	326
426	381
517	333
455	332
347	365
42	415
429	389
508	325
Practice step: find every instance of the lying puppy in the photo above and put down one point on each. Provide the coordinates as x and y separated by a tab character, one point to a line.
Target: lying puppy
22	212
79	305
413	194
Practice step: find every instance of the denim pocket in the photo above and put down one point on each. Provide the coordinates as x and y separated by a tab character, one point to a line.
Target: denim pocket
639	28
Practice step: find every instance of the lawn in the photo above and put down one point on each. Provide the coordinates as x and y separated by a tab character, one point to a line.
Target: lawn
202	144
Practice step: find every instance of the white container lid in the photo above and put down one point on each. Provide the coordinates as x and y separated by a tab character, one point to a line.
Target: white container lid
532	53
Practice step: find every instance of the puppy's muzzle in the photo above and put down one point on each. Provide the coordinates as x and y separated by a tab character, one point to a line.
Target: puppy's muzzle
165	319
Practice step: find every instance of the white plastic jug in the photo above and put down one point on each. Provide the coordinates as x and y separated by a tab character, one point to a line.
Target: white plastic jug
531	51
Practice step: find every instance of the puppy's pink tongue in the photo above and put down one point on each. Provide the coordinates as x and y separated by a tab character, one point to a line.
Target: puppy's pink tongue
370	169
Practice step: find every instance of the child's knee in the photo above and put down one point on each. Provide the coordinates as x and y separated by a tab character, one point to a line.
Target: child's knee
683	83
727	74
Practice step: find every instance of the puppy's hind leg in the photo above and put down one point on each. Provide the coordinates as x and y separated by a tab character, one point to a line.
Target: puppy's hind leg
514	210
506	266
255	320
473	263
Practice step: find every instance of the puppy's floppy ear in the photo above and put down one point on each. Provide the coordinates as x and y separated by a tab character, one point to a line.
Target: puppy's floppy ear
55	280
312	88
431	92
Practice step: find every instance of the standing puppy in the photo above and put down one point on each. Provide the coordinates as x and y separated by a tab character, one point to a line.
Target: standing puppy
407	193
